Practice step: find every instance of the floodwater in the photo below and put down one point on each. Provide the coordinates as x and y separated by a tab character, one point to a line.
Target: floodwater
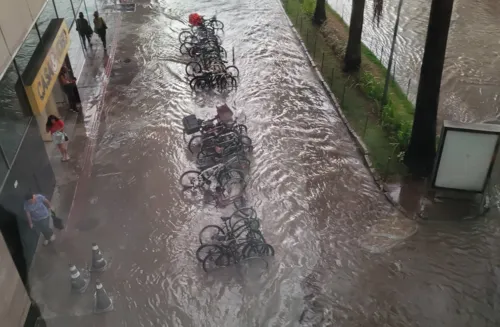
344	255
469	89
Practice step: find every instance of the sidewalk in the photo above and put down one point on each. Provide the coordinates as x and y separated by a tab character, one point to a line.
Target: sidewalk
49	274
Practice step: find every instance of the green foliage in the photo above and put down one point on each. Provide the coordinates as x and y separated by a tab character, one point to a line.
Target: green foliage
386	132
308	7
397	123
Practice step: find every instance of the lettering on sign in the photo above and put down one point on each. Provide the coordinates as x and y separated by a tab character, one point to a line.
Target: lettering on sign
54	61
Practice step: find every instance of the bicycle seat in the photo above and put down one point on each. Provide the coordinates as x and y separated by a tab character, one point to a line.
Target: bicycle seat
225	218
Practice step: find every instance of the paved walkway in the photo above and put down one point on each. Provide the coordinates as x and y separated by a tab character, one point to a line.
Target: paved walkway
49	272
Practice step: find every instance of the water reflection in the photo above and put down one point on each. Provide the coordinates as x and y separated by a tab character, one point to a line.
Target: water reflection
470	81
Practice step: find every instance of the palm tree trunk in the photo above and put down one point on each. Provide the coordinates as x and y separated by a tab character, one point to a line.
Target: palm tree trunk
319	13
352	59
419	157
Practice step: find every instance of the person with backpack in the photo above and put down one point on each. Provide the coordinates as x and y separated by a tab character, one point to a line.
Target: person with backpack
100	28
84	29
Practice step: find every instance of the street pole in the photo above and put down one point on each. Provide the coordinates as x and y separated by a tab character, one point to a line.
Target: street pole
391	55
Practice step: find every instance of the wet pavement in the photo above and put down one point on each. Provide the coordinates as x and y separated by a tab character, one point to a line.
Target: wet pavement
344	255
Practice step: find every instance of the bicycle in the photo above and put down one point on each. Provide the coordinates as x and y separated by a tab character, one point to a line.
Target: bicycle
193	179
243	220
231	252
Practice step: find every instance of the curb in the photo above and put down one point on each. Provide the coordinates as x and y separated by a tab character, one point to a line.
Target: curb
361	146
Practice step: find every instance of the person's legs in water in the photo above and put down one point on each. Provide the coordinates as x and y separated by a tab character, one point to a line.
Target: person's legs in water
82	36
43	226
102	36
64	151
68	90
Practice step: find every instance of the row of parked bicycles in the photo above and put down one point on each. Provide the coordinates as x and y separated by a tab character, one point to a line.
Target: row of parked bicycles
222	149
208	67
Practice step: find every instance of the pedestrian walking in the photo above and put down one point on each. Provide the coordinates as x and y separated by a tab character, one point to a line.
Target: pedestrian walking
69	86
100	28
56	128
38	212
84	29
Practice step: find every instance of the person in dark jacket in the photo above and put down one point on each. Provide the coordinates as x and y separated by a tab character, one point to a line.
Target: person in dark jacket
100	28
84	29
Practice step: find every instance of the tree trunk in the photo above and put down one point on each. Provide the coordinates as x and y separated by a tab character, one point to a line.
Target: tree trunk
352	59
419	157
319	13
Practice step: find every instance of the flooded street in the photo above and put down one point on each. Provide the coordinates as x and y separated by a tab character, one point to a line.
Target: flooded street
344	255
469	90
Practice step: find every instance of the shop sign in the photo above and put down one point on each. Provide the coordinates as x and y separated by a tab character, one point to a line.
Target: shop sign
41	88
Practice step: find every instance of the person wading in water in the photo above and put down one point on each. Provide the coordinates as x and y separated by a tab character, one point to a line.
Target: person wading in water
84	29
100	28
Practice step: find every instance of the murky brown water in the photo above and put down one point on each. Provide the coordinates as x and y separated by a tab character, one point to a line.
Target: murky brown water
470	83
344	256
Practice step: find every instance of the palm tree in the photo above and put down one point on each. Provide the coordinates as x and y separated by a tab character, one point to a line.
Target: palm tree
419	157
319	16
352	58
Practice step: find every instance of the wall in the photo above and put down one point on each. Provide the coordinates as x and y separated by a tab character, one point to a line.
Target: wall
14	301
15	23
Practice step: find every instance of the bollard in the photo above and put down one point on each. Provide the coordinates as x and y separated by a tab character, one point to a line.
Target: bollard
408	88
98	261
366	125
233	56
322	60
102	302
331	81
78	283
382	55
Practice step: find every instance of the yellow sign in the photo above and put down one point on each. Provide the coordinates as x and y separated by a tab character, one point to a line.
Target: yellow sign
40	90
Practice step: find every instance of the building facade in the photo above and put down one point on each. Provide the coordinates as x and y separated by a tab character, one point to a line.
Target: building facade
37	37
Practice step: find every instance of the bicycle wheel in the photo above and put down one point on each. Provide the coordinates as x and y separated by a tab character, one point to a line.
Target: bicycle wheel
190	179
215	261
230	174
222	53
183	49
184	35
248	224
195	143
198	84
206	249
210	234
233	71
228	83
254	249
241	129
246	212
217	24
193	68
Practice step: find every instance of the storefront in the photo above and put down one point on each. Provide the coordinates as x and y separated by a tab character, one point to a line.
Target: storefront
29	91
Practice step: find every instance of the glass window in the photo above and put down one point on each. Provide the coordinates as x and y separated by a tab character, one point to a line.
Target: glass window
67	9
24	54
14	118
45	17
